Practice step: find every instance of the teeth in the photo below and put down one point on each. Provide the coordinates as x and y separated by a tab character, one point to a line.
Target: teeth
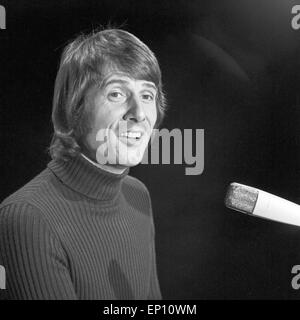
130	134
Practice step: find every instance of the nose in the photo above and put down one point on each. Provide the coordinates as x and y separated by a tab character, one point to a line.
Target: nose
135	110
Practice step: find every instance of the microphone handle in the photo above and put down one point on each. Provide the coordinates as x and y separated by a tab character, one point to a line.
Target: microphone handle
275	208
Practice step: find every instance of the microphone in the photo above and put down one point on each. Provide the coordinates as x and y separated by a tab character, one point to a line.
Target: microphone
262	204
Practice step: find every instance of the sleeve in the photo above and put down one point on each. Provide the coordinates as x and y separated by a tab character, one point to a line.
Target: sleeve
35	262
154	291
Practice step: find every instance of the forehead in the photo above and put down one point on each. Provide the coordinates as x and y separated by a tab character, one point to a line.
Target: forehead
124	79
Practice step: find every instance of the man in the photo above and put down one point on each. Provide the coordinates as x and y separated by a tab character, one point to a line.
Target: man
83	228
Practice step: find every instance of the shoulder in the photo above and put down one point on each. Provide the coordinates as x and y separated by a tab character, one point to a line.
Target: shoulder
30	193
29	205
19	218
23	219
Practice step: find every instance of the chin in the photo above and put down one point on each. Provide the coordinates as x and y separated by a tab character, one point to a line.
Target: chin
130	159
120	155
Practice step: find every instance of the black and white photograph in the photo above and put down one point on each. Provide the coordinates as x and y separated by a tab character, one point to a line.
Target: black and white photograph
150	150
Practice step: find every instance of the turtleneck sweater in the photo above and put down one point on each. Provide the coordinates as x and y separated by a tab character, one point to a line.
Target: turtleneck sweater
78	232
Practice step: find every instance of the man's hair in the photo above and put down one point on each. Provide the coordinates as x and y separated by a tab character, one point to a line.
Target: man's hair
84	64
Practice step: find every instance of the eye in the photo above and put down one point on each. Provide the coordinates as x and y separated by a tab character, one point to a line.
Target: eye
116	96
147	97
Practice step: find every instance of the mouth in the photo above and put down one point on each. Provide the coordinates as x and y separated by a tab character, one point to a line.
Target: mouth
131	137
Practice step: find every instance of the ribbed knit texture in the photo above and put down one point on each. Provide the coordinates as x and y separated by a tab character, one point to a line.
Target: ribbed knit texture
78	232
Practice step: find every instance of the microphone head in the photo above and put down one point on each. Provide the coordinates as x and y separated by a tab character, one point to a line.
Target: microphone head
241	198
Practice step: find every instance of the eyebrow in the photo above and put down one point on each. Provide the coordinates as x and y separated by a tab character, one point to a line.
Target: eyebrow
149	85
121	81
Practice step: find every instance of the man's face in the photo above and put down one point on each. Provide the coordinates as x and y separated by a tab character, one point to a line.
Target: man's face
123	116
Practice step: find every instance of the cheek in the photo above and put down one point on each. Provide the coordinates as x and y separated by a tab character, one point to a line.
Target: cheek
152	114
101	120
105	117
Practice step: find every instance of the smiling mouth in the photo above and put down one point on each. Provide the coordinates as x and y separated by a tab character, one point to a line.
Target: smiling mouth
131	135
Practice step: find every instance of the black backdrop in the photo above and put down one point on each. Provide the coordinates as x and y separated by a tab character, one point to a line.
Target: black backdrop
229	67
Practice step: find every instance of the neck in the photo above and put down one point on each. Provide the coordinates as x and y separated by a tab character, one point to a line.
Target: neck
83	176
113	169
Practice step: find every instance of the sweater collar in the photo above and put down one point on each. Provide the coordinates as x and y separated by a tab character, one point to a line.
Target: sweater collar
86	178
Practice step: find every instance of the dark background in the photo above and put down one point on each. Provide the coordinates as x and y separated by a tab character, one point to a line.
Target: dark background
229	67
